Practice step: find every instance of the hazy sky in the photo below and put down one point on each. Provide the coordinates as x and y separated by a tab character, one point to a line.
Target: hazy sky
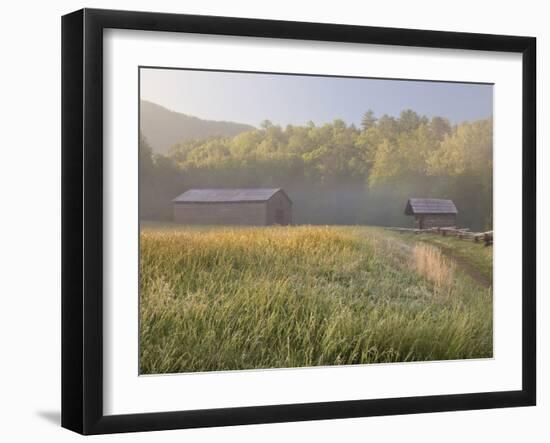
293	99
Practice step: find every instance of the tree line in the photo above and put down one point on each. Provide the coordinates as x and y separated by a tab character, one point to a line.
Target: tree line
336	173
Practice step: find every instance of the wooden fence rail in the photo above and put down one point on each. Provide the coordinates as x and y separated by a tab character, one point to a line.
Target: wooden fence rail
452	231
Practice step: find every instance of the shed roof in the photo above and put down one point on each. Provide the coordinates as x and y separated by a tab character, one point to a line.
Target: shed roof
227	195
430	206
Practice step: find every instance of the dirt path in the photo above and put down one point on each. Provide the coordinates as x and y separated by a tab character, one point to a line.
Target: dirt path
469	269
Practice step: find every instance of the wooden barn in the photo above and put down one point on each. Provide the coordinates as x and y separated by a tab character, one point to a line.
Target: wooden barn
432	212
255	206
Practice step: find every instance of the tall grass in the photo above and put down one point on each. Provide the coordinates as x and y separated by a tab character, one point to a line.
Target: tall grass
242	298
432	264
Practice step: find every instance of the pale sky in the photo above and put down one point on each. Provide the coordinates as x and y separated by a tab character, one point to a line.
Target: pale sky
294	99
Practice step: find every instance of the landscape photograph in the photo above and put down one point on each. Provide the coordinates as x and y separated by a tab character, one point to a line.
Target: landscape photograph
291	221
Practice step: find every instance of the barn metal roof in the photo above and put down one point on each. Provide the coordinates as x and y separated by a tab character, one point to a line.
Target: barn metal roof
430	206
227	195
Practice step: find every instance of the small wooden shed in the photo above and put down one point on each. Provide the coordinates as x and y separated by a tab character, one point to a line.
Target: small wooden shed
432	212
251	206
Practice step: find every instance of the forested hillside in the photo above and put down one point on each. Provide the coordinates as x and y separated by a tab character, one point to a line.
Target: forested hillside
336	173
163	127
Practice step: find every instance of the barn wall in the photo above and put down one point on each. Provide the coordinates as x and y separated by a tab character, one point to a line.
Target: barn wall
220	213
279	202
436	220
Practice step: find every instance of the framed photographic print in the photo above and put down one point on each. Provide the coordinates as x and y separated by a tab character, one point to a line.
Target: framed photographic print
269	221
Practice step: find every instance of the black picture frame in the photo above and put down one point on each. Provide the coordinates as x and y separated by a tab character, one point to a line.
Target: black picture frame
82	218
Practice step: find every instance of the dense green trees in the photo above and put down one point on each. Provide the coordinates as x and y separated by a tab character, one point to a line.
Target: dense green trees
336	173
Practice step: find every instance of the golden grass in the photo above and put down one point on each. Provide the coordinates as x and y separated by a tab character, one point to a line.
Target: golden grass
432	264
241	298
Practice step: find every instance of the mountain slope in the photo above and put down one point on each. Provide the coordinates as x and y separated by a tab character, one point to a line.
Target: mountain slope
163	128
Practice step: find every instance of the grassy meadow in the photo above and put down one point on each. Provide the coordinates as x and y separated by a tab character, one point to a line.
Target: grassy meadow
229	298
476	259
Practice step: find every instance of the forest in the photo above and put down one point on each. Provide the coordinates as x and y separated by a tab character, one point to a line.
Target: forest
336	173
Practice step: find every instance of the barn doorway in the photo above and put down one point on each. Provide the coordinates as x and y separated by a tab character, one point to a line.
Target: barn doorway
279	217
